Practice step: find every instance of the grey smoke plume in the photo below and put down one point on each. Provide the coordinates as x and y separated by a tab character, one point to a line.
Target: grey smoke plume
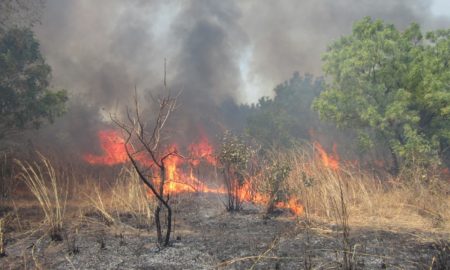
218	51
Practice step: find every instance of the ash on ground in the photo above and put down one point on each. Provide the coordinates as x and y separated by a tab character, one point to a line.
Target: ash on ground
205	236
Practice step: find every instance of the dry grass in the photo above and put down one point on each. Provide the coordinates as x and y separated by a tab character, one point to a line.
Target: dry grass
42	180
347	197
393	202
125	196
2	237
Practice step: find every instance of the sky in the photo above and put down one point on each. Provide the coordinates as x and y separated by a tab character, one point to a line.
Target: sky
441	7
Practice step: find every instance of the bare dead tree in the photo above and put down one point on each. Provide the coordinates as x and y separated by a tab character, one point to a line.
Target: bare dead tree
146	141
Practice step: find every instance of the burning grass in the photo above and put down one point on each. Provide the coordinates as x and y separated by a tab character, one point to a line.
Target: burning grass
393	202
311	187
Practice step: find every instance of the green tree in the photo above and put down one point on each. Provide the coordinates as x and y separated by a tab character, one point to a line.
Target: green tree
288	116
393	87
25	98
20	13
234	155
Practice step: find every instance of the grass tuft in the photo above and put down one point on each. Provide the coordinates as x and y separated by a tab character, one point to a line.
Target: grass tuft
41	178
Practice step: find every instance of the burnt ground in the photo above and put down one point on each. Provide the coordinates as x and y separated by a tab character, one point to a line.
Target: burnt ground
207	237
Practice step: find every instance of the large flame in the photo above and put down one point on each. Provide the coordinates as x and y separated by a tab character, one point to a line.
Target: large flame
176	178
202	150
113	148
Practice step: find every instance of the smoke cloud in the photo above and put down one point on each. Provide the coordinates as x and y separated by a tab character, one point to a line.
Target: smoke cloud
218	51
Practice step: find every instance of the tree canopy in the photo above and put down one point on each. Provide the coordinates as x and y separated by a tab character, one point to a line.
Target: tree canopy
287	116
20	13
393	87
26	100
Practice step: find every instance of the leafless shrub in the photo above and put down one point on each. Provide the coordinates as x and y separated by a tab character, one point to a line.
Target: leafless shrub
147	141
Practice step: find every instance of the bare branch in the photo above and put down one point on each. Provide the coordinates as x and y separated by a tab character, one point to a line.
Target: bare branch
149	143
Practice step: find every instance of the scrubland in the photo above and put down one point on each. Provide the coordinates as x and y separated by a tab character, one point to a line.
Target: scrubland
60	217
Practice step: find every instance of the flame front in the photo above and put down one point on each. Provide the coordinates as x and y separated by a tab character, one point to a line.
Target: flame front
113	148
202	150
176	180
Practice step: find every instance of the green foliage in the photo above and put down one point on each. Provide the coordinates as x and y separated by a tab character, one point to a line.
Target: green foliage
393	87
275	185
235	156
288	116
25	98
235	153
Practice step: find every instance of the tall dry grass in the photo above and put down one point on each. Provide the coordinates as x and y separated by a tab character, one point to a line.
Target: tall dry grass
421	203
126	196
50	191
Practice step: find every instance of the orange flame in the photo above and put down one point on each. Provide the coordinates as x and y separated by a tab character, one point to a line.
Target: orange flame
328	160
113	151
247	193
174	178
113	148
202	150
293	205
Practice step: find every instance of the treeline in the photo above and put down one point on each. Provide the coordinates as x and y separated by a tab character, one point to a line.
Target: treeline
390	88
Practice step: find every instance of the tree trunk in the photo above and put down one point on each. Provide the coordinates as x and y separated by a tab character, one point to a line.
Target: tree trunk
169	225
394	170
158	223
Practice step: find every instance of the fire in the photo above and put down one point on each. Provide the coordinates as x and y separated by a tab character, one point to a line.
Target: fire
176	179
202	150
247	193
113	148
293	205
329	160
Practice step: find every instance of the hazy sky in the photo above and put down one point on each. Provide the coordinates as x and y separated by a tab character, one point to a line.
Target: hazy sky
441	7
216	49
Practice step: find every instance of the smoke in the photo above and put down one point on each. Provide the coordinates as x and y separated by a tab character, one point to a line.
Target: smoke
218	51
292	35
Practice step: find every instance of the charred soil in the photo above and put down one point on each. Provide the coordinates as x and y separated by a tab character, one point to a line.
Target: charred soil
205	236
